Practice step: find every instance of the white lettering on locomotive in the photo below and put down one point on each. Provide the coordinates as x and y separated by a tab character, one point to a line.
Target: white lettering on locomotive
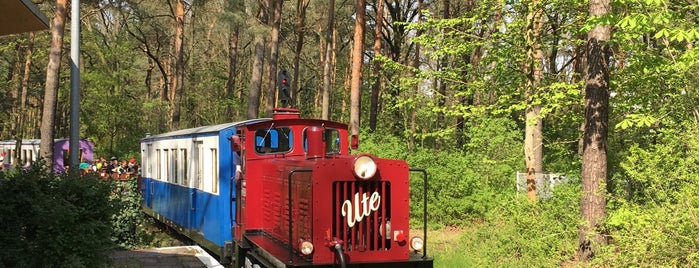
354	212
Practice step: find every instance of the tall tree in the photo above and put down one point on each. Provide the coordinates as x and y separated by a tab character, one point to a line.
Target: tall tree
258	65
357	59
275	25
178	81
327	62
232	64
52	77
594	159
441	84
22	116
416	92
533	137
376	68
301	6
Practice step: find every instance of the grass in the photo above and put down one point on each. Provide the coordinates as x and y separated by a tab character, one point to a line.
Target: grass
444	246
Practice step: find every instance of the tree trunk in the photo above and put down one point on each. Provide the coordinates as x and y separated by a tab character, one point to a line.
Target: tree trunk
178	81
376	86
533	137
256	78
594	161
415	64
327	87
301	6
255	88
52	78
357	59
275	24
232	66
22	116
15	67
441	85
318	94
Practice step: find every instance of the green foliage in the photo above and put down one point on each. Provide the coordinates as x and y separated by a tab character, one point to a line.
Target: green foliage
53	221
516	233
72	220
112	100
657	235
128	221
461	184
653	207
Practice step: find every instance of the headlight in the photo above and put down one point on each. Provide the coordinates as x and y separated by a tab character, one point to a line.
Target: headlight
388	230
364	167
417	243
306	247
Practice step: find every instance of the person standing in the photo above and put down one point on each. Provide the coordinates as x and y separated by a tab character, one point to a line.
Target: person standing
112	166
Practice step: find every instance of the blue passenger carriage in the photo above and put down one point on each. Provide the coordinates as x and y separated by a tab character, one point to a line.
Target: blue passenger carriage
187	181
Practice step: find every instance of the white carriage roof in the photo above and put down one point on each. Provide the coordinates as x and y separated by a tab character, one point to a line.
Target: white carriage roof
206	129
28	141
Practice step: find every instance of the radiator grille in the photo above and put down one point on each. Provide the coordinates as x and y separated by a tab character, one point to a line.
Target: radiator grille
367	222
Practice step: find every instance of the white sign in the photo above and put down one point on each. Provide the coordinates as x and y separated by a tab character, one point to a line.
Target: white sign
355	210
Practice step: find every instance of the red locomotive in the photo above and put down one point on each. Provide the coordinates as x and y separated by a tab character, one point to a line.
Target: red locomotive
282	192
307	202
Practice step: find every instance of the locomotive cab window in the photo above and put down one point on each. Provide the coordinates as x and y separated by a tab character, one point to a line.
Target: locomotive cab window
332	141
331	137
273	140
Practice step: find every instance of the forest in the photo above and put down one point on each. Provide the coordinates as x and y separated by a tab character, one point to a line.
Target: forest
599	92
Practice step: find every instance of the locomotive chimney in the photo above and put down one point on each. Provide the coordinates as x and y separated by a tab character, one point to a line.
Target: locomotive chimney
316	142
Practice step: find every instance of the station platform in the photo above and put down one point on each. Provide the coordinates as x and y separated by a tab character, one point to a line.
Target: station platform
170	257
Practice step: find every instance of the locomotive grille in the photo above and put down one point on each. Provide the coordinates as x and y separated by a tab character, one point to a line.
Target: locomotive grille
363	225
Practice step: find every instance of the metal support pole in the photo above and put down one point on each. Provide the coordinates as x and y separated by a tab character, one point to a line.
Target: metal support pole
74	85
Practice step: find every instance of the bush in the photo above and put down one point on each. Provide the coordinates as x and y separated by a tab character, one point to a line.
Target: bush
463	184
51	220
517	233
652	211
128	220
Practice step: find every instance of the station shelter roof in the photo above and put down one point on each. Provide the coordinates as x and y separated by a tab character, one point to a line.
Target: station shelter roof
18	16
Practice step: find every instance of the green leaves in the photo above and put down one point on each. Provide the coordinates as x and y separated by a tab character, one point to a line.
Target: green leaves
636	120
65	217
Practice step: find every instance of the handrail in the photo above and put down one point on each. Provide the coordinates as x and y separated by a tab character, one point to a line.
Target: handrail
424	208
291	238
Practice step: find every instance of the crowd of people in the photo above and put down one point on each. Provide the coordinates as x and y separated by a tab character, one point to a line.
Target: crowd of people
113	169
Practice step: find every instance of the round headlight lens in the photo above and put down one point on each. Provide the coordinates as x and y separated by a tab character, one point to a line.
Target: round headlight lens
417	243
306	248
364	167
388	230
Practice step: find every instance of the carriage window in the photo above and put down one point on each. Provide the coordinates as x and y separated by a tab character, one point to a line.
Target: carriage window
166	175
273	140
199	164
148	160
185	170
29	157
214	170
177	177
158	166
66	156
332	141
